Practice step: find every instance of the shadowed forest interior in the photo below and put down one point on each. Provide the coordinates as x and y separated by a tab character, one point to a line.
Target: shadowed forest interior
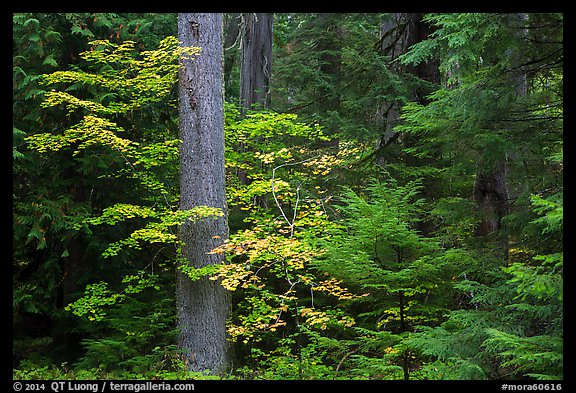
288	196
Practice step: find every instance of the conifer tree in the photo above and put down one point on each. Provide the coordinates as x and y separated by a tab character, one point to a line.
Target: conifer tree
203	305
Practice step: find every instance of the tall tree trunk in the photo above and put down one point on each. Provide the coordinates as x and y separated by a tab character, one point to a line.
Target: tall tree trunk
491	196
398	33
203	305
490	187
256	67
255	73
231	33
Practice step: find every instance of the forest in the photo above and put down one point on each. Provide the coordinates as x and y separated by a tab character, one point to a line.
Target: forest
287	196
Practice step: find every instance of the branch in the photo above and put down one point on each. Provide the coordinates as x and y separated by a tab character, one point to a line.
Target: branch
534	61
291	224
295	208
342	361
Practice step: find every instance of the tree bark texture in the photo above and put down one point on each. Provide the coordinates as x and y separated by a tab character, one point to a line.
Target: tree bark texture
490	187
491	196
256	66
203	305
255	72
232	29
398	33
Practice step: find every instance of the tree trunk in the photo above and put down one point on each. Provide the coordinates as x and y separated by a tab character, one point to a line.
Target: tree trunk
406	364
256	67
490	187
232	30
402	311
255	74
491	196
398	33
202	306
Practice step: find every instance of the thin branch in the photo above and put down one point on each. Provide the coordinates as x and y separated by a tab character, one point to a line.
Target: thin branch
312	295
295	208
291	224
342	361
534	61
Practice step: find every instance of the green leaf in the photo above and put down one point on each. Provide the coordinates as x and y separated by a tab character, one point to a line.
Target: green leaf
50	61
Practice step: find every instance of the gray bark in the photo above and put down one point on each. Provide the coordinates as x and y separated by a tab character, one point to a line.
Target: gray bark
232	31
202	306
255	72
491	196
398	33
490	187
256	66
